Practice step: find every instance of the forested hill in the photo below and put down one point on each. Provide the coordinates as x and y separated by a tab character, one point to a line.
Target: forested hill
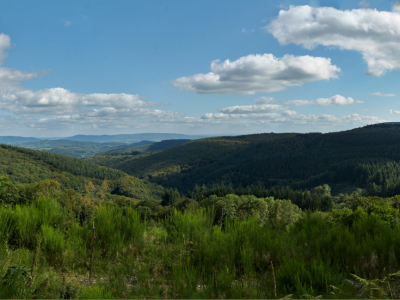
11	155
146	146
365	157
73	148
25	166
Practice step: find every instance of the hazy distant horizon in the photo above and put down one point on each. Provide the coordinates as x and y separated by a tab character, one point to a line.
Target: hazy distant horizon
177	133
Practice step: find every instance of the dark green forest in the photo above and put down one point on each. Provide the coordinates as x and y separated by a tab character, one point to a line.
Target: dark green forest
366	158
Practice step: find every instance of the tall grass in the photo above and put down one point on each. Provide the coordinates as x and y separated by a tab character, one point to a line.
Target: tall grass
189	255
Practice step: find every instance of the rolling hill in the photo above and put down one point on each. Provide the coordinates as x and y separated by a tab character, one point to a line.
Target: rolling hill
146	146
365	157
118	157
24	166
73	148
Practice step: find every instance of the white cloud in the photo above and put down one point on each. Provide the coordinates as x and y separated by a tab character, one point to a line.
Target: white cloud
289	112
233	118
244	30
299	102
281	6
383	95
289	118
391	111
396	7
334	100
5	43
115	100
265	100
12	76
67	23
258	73
249	109
61	101
364	3
359	101
375	34
337	100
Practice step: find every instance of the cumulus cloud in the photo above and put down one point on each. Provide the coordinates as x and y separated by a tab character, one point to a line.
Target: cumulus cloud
10	77
5	43
290	118
249	109
364	3
289	113
337	100
391	111
383	95
265	100
60	100
375	34
258	73
299	102
396	7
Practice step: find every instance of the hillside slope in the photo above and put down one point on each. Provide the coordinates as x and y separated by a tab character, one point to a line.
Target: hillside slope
73	148
366	157
115	158
146	146
26	166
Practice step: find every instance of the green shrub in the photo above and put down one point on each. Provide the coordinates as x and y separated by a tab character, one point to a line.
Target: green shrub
52	245
95	292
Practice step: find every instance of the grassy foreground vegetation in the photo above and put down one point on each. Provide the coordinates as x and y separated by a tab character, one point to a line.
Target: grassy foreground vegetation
208	245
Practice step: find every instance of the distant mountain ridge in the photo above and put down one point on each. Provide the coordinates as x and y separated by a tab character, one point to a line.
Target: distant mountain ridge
73	148
17	139
85	146
117	138
133	138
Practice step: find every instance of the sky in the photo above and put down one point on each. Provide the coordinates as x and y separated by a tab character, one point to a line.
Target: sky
197	67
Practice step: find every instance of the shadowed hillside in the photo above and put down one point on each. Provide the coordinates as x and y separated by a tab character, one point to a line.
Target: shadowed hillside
147	146
366	157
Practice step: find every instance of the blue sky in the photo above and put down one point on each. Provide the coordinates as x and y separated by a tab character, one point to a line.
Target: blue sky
110	67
